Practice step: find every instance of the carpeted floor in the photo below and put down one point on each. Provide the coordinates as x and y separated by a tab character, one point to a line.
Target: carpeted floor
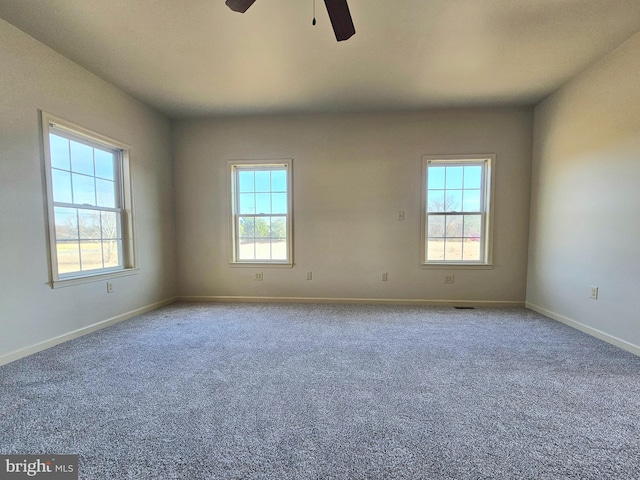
247	391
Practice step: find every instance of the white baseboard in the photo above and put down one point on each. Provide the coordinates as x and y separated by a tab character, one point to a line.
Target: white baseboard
594	332
371	301
23	352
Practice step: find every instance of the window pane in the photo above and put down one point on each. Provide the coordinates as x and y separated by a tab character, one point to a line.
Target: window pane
471	250
435	249
453	201
454	177
279	203
247	203
453	249
68	254
90	254
111	253
435	226
435	200
263	250
473	226
105	164
89	224
110	225
247	227
453	187
471	201
278	227
453	226
66	223
61	186
247	250
472	177
435	177
106	192
279	181
263	181
81	158
279	249
263	203
262	227
59	148
246	181
84	190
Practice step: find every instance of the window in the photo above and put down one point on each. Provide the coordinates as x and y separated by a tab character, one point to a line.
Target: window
261	212
89	203
457	210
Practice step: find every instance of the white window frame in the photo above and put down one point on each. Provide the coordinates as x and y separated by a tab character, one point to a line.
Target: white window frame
234	239
124	202
487	208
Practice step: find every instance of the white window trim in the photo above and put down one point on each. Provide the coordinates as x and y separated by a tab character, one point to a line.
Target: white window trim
126	192
232	208
489	181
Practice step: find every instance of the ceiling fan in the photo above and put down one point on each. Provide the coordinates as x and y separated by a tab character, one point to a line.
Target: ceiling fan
338	14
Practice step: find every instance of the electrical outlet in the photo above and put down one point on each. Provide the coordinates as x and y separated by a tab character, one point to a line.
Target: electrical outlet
385	276
594	293
258	277
309	275
400	216
109	287
449	279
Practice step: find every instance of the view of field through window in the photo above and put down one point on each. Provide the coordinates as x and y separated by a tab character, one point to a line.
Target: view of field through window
454	212
262	207
86	206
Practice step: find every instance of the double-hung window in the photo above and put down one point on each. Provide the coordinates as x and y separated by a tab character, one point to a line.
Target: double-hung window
261	212
457	210
89	203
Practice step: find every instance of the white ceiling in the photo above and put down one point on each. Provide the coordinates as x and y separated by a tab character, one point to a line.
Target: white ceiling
196	57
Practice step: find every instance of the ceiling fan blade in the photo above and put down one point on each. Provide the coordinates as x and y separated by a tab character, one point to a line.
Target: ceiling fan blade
239	5
340	18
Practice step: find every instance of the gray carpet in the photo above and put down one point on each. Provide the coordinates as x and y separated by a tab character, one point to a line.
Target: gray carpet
245	391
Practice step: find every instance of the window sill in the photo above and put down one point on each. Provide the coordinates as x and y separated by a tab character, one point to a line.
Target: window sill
457	266
68	282
260	265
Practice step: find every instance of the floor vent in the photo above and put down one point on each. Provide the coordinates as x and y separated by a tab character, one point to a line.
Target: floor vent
465	308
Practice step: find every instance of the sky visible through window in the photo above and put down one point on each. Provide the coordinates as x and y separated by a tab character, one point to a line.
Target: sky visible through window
262	207
454	188
81	174
263	191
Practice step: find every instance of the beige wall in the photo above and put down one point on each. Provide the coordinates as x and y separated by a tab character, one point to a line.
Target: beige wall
585	216
34	77
352	174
